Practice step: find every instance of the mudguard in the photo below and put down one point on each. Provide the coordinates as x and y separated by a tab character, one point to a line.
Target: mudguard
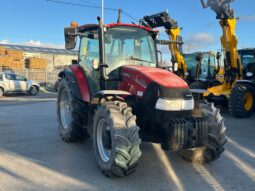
79	84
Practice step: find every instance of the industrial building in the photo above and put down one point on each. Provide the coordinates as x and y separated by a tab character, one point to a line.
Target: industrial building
56	57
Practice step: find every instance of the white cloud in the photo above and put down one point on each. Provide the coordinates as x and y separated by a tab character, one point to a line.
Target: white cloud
203	38
199	42
4	41
35	43
248	18
38	43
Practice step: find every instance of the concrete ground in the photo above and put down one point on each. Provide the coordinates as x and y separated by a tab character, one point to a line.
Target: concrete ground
33	157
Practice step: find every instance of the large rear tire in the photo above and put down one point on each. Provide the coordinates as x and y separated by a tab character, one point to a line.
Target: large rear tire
115	138
216	136
72	114
241	101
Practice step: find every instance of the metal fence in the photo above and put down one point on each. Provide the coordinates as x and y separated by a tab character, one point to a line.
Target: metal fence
43	76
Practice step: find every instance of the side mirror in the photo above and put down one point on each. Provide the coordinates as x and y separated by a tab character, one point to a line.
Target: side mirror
70	37
95	64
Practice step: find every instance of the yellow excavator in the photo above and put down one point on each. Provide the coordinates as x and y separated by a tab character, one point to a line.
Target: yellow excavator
235	91
179	66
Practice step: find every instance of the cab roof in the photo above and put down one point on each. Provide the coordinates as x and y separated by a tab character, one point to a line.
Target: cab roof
89	27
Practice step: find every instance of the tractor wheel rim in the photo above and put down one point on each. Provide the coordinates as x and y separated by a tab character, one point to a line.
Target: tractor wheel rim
248	101
65	113
102	129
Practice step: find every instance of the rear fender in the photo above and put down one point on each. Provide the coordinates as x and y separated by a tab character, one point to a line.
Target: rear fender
79	84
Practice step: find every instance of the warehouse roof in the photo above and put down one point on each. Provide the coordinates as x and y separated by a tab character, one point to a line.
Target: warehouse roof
39	49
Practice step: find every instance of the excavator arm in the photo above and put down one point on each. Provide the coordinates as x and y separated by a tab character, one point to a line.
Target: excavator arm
227	20
173	31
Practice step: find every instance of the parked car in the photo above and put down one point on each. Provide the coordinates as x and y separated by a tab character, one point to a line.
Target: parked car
14	83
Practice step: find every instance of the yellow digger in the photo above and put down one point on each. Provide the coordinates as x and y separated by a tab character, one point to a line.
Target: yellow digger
236	92
179	66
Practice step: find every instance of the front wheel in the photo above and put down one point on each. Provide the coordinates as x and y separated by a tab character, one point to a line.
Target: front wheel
214	146
72	114
241	101
115	139
33	91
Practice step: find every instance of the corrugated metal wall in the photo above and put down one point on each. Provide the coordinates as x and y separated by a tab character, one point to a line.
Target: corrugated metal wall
55	60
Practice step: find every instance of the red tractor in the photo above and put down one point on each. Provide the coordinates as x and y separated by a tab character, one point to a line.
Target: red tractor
117	95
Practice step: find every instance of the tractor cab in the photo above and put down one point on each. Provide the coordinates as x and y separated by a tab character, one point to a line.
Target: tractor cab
124	45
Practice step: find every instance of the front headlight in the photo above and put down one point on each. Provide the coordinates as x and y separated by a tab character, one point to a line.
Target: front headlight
175	104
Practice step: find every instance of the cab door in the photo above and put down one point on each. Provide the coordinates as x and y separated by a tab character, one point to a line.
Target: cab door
89	54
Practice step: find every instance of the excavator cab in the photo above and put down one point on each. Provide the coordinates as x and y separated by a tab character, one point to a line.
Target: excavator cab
179	66
247	57
204	69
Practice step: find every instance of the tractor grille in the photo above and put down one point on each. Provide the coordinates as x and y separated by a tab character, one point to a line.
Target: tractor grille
185	133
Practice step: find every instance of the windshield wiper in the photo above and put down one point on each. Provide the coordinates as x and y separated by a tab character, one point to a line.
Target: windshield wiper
138	59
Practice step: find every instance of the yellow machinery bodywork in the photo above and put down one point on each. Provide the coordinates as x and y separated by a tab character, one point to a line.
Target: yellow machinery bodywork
178	57
229	43
220	75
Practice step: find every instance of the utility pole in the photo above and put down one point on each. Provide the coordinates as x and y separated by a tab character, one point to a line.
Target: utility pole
103	11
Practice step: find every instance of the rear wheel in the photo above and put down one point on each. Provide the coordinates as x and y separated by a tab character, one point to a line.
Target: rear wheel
1	92
241	101
33	91
216	136
198	85
72	114
115	139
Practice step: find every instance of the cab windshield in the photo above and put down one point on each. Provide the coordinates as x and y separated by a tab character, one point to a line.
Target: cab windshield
129	46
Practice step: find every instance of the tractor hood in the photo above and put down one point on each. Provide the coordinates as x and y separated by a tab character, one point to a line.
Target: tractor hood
143	76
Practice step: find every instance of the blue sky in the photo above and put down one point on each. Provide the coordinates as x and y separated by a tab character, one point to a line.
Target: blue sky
38	22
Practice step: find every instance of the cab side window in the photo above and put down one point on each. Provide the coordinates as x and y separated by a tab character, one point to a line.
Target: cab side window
10	77
89	51
1	77
20	78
